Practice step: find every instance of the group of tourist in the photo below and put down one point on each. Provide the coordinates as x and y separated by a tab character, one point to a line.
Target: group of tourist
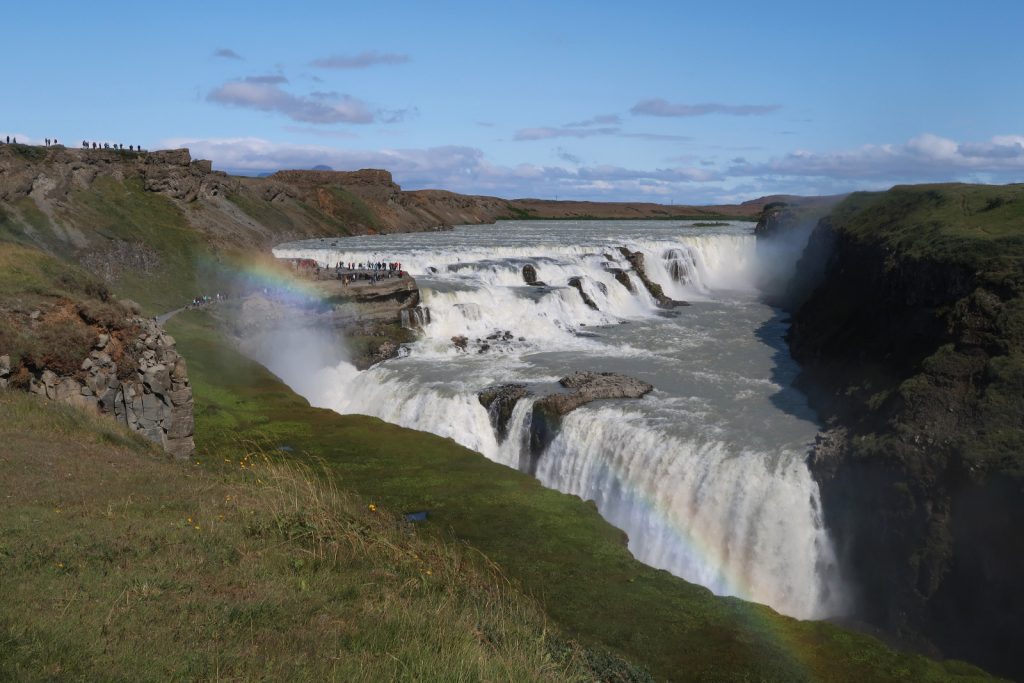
107	145
200	301
372	272
393	266
50	142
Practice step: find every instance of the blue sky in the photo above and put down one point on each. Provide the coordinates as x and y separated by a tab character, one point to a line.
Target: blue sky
665	101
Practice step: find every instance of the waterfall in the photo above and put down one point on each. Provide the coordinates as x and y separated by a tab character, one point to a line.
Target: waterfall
706	476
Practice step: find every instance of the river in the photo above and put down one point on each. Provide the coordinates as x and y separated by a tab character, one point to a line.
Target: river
706	474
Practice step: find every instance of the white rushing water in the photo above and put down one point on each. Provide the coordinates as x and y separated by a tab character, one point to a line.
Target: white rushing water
706	474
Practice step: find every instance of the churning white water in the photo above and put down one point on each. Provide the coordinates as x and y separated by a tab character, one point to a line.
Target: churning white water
706	474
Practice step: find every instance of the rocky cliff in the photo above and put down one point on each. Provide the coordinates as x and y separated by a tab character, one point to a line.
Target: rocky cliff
911	336
64	337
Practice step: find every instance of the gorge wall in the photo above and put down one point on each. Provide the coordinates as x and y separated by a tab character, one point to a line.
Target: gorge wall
908	320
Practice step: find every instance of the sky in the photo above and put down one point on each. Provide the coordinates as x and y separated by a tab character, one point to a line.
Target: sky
675	102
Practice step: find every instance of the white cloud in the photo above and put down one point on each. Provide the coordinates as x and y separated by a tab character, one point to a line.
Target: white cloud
923	158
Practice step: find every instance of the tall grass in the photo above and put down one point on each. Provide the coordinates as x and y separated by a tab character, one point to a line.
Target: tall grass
116	564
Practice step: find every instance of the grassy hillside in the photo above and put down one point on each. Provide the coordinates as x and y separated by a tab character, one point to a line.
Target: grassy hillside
556	546
118	565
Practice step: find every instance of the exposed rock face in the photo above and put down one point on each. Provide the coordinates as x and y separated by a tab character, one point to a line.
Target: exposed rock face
636	259
150	393
390	209
530	275
500	401
914	359
776	218
577	284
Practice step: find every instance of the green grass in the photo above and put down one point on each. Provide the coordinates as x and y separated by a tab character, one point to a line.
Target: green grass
125	211
349	207
264	213
118	565
555	546
980	227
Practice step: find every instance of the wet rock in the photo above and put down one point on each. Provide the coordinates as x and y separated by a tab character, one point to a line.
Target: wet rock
577	284
583	387
500	401
529	274
591	386
636	259
623	279
386	351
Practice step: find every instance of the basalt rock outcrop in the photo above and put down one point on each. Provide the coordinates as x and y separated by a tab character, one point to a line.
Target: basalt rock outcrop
911	339
636	259
146	390
577	284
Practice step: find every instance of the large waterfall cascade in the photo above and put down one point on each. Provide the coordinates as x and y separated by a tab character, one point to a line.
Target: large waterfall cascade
706	475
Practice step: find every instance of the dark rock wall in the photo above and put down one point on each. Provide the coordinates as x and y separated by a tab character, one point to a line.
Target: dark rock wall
920	474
